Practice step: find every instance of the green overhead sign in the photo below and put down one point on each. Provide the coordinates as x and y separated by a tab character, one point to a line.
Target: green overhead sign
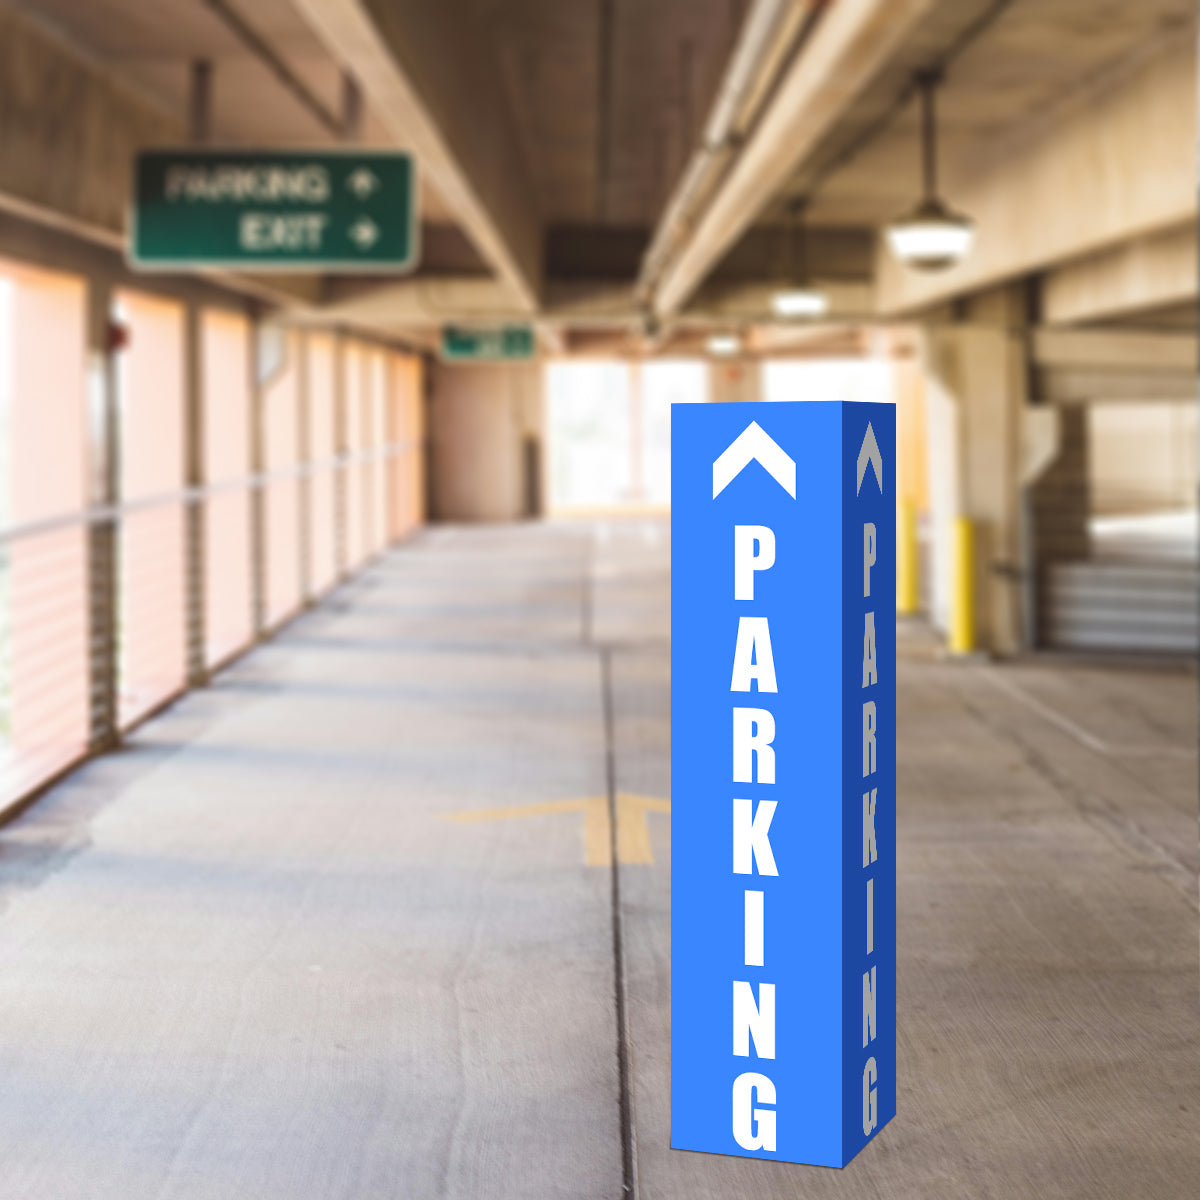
327	211
508	343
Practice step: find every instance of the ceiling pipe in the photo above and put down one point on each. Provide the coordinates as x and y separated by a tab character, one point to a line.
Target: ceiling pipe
767	35
849	45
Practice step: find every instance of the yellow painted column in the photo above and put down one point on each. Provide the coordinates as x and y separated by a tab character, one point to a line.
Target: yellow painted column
907	560
962	611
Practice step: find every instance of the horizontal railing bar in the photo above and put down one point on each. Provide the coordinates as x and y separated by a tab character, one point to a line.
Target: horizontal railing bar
111	514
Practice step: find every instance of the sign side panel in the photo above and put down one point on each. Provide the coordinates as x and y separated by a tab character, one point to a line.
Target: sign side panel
869	771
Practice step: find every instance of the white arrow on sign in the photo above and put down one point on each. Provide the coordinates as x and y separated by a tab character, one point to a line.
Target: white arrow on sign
754	443
362	182
364	233
870	454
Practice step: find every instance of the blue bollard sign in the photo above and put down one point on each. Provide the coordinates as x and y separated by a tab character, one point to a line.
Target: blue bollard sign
783	700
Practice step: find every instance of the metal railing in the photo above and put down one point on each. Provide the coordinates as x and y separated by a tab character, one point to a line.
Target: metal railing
111	612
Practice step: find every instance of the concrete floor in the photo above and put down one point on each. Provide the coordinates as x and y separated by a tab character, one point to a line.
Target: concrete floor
342	926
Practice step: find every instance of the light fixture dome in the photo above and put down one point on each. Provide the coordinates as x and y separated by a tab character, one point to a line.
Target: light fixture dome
931	238
791	303
798	298
724	345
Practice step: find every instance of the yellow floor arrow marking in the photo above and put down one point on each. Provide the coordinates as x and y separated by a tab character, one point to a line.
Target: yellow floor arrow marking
633	834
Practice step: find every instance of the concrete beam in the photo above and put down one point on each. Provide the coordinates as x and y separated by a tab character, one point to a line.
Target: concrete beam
1083	385
70	134
436	300
1114	349
419	302
1151	272
852	42
1117	163
435	82
752	302
1082	366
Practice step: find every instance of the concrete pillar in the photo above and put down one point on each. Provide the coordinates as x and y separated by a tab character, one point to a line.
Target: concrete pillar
1060	501
737	381
486	429
976	392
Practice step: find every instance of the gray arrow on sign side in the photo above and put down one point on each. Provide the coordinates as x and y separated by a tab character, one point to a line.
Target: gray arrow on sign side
754	443
869	454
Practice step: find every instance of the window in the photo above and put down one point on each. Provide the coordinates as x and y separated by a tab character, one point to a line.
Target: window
609	430
151	619
228	599
44	611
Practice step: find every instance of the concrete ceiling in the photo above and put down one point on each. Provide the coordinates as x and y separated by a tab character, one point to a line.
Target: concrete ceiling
1010	65
610	96
149	45
601	105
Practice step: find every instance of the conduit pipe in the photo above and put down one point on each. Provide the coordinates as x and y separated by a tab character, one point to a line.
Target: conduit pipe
846	50
767	35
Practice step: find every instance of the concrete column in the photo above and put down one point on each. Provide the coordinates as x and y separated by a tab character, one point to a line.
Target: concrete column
976	392
1060	496
486	434
737	381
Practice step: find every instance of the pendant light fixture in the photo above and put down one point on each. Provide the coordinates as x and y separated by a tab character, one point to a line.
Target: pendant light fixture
932	237
724	345
799	298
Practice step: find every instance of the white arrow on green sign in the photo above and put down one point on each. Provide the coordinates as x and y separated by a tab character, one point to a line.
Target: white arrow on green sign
339	211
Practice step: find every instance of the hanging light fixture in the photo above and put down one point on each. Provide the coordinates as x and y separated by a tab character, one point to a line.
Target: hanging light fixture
932	237
800	298
724	345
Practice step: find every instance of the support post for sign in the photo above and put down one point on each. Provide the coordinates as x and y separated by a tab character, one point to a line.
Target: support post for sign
783	952
352	109
200	102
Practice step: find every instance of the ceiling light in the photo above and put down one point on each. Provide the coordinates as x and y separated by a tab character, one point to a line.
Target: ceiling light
724	345
799	302
931	237
799	298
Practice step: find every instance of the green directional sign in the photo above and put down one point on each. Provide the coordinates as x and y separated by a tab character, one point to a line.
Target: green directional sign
507	343
329	211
